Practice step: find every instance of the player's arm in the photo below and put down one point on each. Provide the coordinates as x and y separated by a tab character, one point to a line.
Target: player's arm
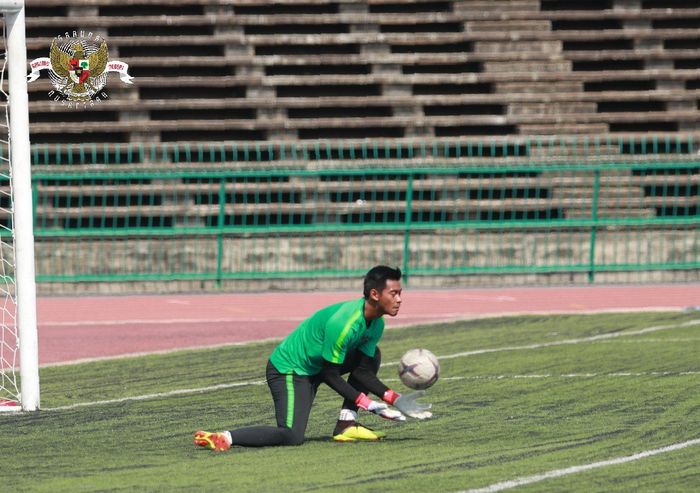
364	374
406	403
330	373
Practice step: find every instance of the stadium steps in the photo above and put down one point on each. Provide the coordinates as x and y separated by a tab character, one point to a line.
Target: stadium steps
320	200
261	123
539	101
409	68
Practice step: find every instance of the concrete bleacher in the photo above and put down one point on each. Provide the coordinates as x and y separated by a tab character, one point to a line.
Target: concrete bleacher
367	85
295	200
325	199
210	71
251	70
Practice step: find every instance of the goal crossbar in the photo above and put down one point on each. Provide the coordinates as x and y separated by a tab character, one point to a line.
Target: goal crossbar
11	5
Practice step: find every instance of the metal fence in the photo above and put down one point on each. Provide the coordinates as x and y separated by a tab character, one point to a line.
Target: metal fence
104	222
391	153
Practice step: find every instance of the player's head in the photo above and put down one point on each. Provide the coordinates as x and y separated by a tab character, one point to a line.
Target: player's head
377	277
383	289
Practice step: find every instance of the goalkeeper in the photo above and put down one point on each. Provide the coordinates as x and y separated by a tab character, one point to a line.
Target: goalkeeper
339	339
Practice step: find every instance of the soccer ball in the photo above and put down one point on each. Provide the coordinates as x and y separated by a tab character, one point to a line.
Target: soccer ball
419	369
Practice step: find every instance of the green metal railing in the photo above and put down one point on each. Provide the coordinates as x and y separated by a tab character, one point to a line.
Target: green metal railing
189	224
300	153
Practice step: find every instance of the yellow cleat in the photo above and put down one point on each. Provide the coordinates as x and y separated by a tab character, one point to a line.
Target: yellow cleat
215	441
357	433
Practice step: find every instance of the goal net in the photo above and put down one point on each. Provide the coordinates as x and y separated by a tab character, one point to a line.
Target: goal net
19	362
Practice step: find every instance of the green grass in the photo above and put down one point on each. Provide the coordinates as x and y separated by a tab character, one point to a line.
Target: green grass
498	416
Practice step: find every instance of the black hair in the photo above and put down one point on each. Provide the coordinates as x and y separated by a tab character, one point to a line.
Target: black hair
377	276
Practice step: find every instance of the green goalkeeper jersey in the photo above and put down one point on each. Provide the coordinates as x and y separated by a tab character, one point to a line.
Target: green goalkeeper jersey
328	334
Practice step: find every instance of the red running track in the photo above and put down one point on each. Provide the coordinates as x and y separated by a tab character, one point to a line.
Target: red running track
81	328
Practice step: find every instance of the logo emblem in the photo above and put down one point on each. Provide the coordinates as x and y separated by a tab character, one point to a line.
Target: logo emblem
78	66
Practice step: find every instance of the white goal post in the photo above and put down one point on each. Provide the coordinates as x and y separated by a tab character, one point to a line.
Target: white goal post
20	296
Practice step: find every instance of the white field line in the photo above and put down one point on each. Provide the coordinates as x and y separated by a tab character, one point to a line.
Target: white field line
653	341
153	353
223	386
557	473
540	345
274	339
158	395
392	363
575	375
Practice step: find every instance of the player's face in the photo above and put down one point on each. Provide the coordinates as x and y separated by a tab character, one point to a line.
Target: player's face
390	298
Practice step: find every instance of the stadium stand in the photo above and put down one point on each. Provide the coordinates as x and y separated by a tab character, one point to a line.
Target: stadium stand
314	69
241	86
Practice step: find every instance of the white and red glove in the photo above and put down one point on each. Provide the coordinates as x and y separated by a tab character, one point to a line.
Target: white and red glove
408	405
378	408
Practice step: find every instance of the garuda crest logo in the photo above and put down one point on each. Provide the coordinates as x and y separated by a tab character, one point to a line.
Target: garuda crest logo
78	67
79	75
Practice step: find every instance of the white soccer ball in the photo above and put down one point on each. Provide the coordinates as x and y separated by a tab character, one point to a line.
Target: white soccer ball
419	369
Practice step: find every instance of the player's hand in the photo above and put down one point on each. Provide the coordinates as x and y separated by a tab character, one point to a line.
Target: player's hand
388	413
408	405
379	408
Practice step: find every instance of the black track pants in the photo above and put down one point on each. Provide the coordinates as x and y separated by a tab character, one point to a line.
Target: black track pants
293	396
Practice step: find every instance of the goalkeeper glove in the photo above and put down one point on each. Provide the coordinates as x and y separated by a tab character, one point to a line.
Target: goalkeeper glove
378	408
407	404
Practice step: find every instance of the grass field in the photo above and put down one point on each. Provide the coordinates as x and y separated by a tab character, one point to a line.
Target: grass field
518	397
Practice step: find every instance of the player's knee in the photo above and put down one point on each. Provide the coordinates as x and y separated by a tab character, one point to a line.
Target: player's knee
293	437
297	440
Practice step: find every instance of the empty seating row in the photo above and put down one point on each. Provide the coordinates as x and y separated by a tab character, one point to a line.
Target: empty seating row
208	70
